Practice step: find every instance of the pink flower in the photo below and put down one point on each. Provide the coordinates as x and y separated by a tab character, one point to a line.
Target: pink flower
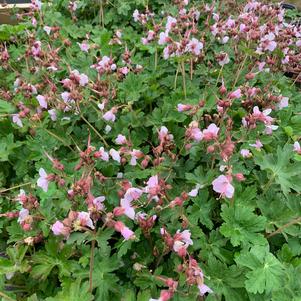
120	140
211	132
21	196
42	180
84	46
245	153
23	215
194	192
124	230
194	46
223	186
204	289
83	79
133	194
152	185
236	94
58	228
17	120
283	103
224	59
52	114
47	29
98	203
183	107
268	43
103	154
36	48
135	154
182	241
66	97
164	135
171	22
124	70
196	134
136	15
128	209
297	148
84	219
42	101
163	38
270	128
109	116
262	116
115	155
258	145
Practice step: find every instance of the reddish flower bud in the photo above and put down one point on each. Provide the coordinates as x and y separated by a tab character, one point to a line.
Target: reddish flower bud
239	177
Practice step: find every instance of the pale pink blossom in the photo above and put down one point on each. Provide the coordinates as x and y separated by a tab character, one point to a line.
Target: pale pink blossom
109	116
283	103
211	132
245	153
85	220
297	148
133	193
222	185
115	155
124	70
42	180
262	116
83	79
194	192
196	134
164	134
128	210
124	230
136	15
235	94
84	46
183	107
224	60
268	43
204	289
21	197
258	145
269	128
23	215
52	114
47	29
163	38
171	22
36	48
194	46
42	101
58	228
98	203
103	154
17	120
121	139
135	154
182	241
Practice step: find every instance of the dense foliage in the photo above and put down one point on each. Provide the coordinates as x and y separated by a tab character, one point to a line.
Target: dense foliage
149	149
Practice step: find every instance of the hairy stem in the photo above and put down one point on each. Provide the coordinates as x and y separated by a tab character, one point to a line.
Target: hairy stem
279	230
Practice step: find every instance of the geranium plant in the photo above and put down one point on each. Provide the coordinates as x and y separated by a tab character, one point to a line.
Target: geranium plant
150	151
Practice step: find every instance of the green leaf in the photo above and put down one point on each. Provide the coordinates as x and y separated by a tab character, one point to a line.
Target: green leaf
6	107
281	170
241	225
73	291
266	273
